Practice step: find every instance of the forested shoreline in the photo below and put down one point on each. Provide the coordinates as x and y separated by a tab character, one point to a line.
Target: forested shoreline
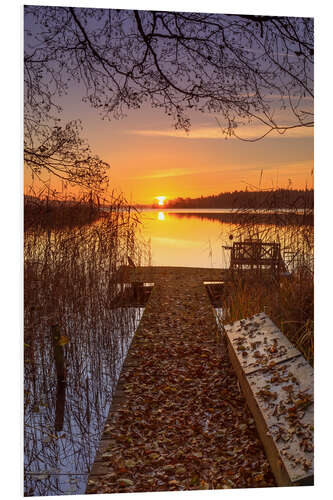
279	198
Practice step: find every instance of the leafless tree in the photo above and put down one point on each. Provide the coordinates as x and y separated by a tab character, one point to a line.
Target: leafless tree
244	69
60	151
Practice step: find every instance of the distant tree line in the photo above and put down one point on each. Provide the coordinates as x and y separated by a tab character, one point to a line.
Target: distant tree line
279	198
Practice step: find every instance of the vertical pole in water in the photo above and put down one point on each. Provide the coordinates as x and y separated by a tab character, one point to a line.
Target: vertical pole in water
58	352
137	292
87	403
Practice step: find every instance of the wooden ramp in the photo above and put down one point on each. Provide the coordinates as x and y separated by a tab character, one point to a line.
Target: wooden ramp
178	420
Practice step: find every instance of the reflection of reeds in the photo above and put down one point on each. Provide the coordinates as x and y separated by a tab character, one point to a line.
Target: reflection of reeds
54	213
290	300
277	218
75	341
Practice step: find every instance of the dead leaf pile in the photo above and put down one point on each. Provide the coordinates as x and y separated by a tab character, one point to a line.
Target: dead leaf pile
178	421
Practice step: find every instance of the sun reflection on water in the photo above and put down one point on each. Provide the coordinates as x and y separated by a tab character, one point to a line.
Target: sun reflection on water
161	216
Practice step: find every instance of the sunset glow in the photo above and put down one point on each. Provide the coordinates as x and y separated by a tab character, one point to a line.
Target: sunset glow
160	200
147	153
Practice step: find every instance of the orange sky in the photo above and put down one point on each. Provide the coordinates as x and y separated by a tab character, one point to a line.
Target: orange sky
149	158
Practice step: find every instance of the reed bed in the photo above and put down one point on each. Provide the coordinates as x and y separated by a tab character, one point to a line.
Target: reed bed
74	335
289	300
289	303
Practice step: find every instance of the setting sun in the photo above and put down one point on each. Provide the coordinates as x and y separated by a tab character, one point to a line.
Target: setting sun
160	199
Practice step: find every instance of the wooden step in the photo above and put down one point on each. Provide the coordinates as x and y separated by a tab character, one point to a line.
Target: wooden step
277	383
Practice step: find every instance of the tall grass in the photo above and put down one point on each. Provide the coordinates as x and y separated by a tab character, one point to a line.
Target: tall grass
289	303
75	265
72	253
289	300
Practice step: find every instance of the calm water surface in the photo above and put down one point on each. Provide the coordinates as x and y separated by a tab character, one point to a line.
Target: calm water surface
181	238
195	238
59	456
63	422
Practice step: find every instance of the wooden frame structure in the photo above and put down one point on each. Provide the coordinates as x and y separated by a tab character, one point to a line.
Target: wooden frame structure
256	255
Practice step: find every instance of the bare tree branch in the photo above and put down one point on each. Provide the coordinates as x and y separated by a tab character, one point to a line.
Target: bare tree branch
244	69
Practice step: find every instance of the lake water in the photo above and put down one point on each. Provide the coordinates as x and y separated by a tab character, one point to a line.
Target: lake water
63	424
179	239
195	238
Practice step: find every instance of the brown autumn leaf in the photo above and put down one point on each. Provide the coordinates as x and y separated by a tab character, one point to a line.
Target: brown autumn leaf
195	423
194	480
63	340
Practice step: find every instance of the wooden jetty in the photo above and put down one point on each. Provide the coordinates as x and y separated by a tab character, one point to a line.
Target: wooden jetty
178	420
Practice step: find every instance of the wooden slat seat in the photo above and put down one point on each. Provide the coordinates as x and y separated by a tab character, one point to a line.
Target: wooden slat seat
255	254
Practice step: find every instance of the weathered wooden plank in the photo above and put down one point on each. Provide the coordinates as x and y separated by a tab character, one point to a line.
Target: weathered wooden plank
287	408
258	342
278	387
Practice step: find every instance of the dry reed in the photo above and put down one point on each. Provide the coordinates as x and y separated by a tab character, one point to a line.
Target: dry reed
70	285
289	301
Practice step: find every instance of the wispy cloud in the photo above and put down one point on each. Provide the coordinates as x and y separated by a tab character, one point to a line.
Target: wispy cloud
214	133
174	172
231	169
